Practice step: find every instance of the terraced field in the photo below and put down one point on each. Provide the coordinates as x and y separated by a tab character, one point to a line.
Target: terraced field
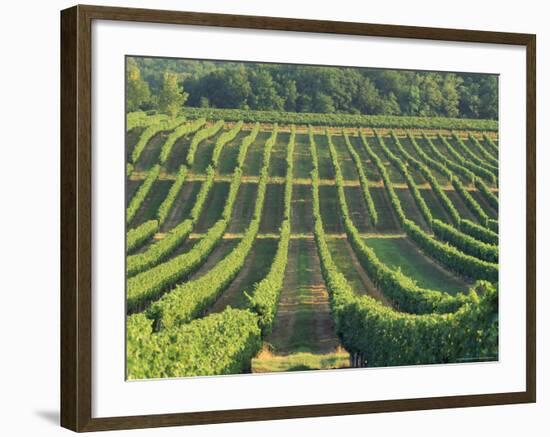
265	247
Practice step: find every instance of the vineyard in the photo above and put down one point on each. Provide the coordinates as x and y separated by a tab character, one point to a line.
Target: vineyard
269	241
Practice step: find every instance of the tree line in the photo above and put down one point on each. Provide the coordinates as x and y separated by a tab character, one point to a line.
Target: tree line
167	84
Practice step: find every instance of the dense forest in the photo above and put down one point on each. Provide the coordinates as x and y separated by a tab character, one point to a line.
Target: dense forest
157	83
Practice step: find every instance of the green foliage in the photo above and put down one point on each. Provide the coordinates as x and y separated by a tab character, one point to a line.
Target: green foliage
245	144
200	136
168	201
491	165
137	89
420	202
222	140
489	195
470	202
465	242
362	180
171	97
265	296
427	174
480	233
129	169
480	149
137	236
491	144
142	119
385	337
179	132
218	344
141	193
352	120
405	294
188	300
152	130
149	284
479	170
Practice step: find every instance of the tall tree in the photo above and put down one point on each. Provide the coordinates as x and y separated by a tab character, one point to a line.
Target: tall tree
137	89
172	96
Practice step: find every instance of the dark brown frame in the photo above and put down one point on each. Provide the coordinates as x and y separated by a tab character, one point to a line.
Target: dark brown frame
76	218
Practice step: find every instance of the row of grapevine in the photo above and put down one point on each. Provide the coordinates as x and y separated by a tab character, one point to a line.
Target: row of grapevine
462	241
402	291
161	249
427	174
142	119
200	136
140	234
472	166
482	151
190	299
152	130
467	152
442	160
219	344
491	144
170	198
419	200
480	233
176	134
265	296
141	193
471	203
352	120
384	336
362	179
245	144
129	169
447	255
489	195
465	242
222	140
150	284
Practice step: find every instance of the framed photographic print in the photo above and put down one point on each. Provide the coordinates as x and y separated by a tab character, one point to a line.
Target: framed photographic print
267	218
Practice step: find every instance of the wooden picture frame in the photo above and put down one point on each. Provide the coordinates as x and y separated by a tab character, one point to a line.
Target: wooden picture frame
76	217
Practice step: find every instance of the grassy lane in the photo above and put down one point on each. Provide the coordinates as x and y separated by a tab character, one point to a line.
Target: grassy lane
229	154
277	167
368	166
346	260
406	143
410	207
460	206
358	209
402	253
387	221
213	207
182	205
203	155
302	213
395	175
243	208
178	154
349	172
149	207
272	217
303	322
150	155
480	198
302	158
436	208
256	267
253	161
222	249
326	171
131	188
132	137
330	210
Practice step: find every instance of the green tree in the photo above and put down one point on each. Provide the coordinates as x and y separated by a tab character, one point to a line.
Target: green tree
172	96
137	89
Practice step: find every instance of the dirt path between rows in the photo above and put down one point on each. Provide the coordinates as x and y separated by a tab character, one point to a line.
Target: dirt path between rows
304	322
